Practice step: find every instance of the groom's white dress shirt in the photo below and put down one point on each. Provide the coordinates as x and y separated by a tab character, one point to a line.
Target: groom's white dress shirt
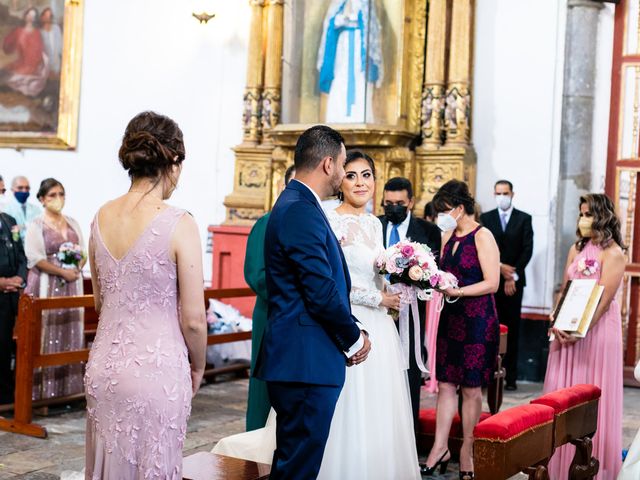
355	348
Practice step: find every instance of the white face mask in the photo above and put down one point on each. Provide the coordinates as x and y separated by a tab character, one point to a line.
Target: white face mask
504	201
446	222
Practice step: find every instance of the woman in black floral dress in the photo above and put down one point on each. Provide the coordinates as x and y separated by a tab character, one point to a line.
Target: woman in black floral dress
468	332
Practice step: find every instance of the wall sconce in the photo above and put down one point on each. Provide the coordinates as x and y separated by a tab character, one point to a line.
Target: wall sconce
203	17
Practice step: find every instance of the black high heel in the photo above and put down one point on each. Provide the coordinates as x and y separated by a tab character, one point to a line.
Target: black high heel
466	476
425	470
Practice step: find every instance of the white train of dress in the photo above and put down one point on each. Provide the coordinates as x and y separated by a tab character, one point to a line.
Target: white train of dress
631	466
371	434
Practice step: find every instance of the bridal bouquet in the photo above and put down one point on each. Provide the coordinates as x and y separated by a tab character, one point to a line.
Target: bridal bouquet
414	264
70	255
414	274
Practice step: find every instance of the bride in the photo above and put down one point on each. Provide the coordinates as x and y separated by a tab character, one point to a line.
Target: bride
371	434
631	467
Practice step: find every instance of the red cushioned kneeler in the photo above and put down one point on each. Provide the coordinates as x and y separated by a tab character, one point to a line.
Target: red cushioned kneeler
512	441
576	411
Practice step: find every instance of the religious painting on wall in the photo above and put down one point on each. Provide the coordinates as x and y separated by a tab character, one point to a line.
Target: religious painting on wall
40	51
343	61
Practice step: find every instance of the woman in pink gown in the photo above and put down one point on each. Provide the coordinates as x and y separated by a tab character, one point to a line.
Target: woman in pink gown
597	358
148	356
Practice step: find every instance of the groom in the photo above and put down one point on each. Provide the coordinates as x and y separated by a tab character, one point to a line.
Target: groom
311	334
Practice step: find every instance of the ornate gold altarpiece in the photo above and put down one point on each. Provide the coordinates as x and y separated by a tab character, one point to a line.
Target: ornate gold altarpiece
429	143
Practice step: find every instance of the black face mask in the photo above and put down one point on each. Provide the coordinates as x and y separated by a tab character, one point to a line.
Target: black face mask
396	214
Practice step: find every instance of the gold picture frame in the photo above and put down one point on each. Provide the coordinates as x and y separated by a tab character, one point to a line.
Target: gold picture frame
63	84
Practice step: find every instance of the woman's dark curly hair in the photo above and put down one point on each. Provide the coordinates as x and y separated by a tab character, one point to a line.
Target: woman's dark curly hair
606	224
452	194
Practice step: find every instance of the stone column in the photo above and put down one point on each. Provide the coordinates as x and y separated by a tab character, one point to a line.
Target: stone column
433	90
251	121
458	96
577	122
273	67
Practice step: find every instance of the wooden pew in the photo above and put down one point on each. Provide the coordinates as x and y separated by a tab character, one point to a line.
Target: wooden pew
519	439
576	420
28	357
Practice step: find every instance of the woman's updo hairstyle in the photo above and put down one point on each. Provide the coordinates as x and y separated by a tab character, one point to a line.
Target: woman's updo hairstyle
151	145
46	185
452	194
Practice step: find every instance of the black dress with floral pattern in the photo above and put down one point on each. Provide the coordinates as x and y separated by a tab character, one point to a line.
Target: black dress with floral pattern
468	333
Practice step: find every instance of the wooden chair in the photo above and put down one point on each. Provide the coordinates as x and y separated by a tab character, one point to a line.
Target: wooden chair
576	419
427	417
519	439
209	466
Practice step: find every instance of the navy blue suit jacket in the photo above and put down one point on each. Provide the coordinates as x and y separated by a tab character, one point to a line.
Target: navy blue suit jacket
310	323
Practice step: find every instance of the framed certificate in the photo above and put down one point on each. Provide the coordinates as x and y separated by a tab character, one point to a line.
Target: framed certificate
577	306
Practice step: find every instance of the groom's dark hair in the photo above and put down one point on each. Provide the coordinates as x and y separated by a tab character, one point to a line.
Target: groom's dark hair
315	144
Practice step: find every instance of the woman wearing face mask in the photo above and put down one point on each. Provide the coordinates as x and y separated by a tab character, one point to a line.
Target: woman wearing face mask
61	329
596	358
468	331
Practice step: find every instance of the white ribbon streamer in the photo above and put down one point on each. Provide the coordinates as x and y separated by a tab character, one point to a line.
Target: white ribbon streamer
409	302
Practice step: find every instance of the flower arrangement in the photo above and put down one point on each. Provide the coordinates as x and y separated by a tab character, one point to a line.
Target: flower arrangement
414	264
70	255
588	266
15	233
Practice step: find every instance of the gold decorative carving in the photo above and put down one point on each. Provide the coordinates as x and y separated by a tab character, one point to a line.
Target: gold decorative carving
251	123
251	115
415	65
249	215
270	108
457	114
253	175
433	107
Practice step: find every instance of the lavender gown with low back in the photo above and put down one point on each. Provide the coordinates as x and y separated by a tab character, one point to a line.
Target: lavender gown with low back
138	381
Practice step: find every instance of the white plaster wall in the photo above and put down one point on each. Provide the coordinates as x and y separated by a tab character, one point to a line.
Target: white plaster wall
519	55
141	55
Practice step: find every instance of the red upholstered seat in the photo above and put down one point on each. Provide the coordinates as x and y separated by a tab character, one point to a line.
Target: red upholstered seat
427	422
510	423
566	398
504	329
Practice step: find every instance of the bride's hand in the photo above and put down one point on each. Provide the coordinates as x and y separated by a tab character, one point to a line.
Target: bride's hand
390	300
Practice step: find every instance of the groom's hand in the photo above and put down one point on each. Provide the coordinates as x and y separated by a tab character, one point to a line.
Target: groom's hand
362	354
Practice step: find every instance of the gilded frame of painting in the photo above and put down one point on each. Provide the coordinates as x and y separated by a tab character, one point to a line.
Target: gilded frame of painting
66	135
409	85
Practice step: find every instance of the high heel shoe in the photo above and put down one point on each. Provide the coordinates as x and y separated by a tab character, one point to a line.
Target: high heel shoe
425	470
466	476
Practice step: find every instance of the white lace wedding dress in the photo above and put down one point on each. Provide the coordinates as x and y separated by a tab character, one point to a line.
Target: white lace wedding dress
631	466
371	434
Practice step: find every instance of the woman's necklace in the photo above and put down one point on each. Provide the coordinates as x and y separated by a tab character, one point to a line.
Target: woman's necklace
56	224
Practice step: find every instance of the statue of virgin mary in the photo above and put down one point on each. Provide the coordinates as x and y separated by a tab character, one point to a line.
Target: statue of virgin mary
349	61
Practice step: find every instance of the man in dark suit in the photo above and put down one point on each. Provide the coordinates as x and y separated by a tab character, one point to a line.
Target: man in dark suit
311	334
514	236
399	224
13	275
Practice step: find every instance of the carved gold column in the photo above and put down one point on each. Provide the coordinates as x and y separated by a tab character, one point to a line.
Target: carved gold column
446	101
273	67
252	179
457	112
251	115
433	90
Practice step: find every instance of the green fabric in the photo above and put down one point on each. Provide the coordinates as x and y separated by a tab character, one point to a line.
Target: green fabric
258	405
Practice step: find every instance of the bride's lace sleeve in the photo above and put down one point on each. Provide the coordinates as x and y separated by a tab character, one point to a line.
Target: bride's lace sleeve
357	231
368	298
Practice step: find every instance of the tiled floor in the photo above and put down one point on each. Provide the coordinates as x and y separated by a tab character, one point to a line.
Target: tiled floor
218	411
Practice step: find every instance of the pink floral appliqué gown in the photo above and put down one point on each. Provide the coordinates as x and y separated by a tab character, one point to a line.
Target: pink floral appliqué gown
595	359
138	381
